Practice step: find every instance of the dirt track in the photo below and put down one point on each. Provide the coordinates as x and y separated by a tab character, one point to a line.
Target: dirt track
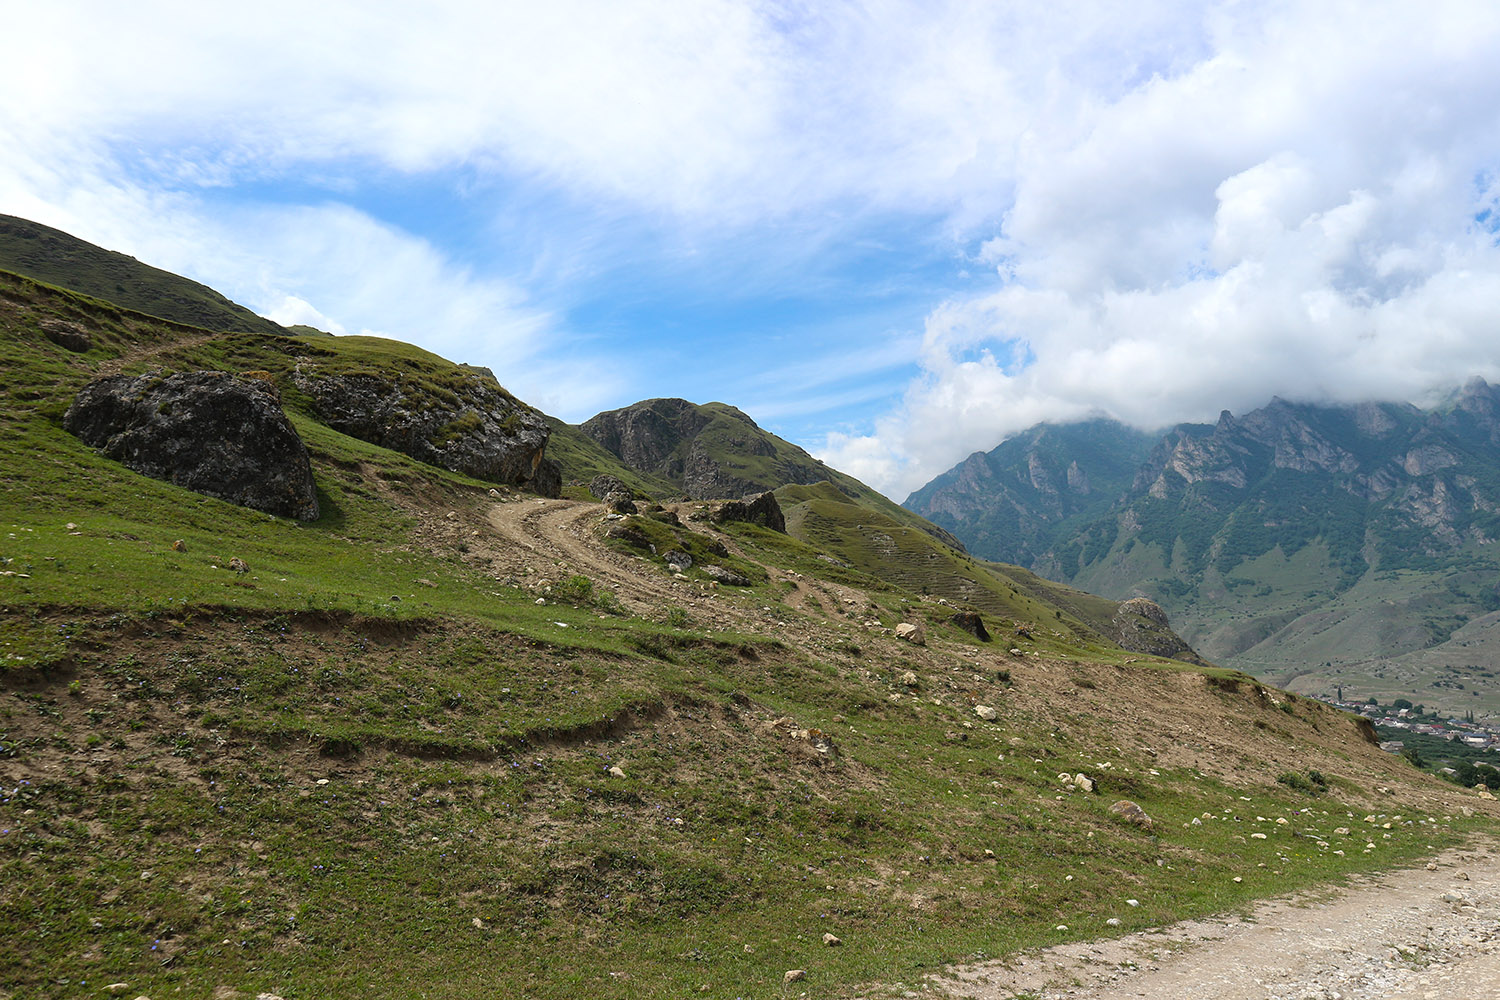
1430	933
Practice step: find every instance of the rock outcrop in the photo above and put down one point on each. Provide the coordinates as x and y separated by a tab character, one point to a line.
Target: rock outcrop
760	508
468	424
210	432
1140	625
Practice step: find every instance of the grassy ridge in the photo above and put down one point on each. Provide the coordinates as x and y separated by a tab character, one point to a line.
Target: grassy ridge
53	256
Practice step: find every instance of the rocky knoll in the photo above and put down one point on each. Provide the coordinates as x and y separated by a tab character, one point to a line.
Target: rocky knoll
211	432
713	450
1140	625
467	424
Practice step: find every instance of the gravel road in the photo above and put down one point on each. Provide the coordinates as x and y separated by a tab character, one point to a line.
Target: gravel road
1428	933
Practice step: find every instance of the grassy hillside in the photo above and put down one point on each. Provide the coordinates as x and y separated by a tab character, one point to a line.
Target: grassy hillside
447	743
53	256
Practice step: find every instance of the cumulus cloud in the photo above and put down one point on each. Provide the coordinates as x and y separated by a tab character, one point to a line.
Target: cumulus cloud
1305	212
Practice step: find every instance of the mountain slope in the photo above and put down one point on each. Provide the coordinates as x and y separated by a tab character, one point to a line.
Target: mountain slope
1296	542
50	255
1013	502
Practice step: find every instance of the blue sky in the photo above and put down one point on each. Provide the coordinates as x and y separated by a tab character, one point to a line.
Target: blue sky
892	232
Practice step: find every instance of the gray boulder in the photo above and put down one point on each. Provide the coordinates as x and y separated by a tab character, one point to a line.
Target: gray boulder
758	508
620	503
211	432
602	485
726	576
67	335
469	424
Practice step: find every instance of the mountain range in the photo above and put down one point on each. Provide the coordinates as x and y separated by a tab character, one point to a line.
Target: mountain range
1315	546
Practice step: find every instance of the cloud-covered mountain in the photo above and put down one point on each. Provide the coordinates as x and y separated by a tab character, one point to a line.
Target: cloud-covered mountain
1319	542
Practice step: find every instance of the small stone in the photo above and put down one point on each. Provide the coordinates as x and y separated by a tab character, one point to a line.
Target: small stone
913	634
238	565
616	771
117	987
1238	879
541	600
986	713
909	678
179	546
478	923
1112	922
1062	927
1132	902
793	976
831	940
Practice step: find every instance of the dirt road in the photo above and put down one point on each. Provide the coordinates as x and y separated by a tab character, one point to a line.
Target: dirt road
1429	933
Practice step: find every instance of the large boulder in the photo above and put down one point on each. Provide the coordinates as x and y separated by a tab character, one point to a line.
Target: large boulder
602	485
972	623
468	424
211	432
759	508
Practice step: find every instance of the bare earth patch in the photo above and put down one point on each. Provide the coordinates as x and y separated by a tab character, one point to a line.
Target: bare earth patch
1429	933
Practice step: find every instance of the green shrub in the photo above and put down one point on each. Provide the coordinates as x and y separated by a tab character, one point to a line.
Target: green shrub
576	589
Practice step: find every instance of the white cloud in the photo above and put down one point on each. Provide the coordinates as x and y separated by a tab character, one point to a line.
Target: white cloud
1187	205
1295	214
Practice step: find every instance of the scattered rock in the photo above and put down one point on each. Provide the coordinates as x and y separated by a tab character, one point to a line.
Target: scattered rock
179	546
1084	782
1132	813
116	987
986	713
909	678
913	634
793	976
616	771
209	432
971	623
238	565
678	560
726	576
831	940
